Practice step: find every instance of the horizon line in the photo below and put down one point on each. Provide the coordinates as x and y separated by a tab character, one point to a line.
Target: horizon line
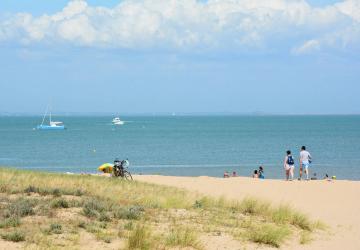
64	113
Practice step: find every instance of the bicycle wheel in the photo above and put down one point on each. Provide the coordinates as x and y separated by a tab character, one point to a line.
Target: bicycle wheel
127	175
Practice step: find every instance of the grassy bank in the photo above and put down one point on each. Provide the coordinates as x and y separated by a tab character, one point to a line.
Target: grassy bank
43	210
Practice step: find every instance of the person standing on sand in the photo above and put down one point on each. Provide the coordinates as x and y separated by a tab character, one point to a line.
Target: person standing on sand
305	159
289	166
261	173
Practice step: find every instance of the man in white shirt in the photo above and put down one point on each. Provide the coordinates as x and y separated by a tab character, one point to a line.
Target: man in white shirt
305	159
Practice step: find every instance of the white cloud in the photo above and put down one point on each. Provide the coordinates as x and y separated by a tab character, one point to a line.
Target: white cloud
307	47
190	24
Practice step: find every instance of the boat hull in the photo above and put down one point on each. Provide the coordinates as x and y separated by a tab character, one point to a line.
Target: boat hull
47	127
118	123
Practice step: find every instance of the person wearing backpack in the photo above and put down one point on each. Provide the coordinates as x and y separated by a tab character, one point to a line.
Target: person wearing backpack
289	166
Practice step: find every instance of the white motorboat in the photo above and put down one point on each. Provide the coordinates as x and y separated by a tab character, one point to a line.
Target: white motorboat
117	121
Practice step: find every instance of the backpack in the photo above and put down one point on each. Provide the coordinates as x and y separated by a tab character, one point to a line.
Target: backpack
290	160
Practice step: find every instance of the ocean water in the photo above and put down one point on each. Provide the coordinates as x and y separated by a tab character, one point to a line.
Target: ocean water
185	145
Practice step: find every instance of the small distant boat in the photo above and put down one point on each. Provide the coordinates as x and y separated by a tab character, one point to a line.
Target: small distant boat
52	124
117	121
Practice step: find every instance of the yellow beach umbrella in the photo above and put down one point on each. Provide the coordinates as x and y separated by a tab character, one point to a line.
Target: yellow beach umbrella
106	167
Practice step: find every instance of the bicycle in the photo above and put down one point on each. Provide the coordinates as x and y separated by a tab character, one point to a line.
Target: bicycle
123	173
120	169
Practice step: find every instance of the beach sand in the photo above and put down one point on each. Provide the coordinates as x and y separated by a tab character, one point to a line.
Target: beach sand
335	203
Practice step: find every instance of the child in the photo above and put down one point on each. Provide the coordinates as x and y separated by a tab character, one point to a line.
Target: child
255	175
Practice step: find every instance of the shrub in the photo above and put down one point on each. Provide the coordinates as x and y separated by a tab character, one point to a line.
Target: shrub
75	203
56	192
79	192
90	212
20	208
56	228
10	222
4	188
104	217
129	226
103	225
92	228
198	204
14	236
104	236
31	189
59	203
129	213
82	224
93	207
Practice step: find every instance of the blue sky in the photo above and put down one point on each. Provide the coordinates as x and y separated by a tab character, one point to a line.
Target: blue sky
188	56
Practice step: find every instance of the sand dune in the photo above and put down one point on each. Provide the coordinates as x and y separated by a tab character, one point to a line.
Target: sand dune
336	203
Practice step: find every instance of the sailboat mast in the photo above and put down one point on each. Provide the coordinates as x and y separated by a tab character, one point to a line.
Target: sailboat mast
44	115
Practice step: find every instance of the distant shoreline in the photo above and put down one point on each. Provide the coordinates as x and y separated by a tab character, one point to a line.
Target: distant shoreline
167	114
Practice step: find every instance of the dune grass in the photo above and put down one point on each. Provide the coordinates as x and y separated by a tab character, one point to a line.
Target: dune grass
305	238
141	215
269	234
140	238
183	237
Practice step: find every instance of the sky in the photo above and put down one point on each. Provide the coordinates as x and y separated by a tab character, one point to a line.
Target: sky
164	56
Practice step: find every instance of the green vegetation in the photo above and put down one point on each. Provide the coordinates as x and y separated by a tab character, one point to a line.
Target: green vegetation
184	237
10	222
14	236
269	234
20	207
305	238
51	211
59	203
129	213
140	238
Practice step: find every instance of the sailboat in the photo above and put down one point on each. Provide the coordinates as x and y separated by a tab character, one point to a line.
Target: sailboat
52	124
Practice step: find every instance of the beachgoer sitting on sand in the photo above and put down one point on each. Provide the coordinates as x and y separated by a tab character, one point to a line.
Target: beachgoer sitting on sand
289	166
226	174
326	177
261	172
314	177
255	175
234	174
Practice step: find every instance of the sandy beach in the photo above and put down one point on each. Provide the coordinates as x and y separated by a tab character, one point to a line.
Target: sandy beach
41	210
333	202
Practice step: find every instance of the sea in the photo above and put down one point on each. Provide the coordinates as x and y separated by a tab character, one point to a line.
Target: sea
184	145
